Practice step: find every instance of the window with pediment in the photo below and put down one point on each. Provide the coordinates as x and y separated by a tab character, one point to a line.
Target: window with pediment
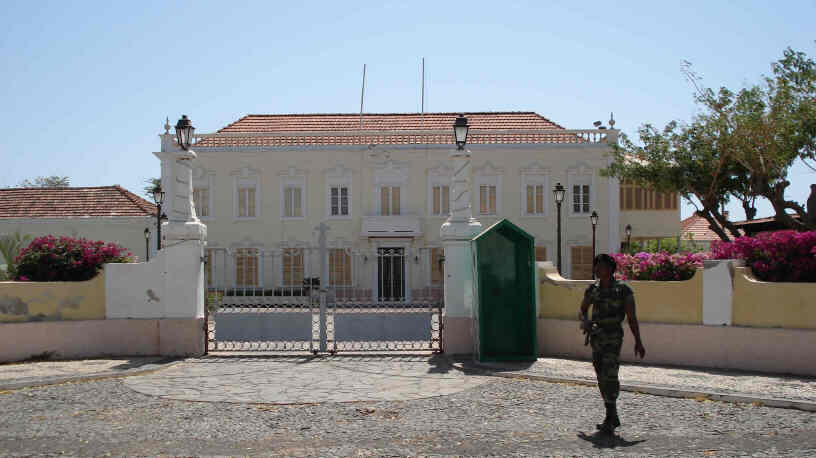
247	193
488	189
534	190
338	192
293	194
203	185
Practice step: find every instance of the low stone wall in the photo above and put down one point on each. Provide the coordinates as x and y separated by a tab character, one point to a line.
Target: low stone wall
788	351
134	309
52	301
659	302
773	304
100	338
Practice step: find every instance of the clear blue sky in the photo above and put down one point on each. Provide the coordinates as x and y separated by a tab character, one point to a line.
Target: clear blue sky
85	86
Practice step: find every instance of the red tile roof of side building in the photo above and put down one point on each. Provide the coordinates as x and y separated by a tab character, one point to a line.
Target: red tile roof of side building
699	228
324	125
102	201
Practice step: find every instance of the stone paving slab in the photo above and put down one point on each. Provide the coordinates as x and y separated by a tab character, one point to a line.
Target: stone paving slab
30	373
306	379
779	390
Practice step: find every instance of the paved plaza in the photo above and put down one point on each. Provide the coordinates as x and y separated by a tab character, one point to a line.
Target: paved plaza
348	405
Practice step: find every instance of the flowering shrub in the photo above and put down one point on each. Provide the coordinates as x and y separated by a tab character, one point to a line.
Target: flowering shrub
658	266
50	258
777	256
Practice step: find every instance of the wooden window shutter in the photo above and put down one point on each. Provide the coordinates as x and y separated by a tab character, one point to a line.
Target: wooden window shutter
540	253
395	200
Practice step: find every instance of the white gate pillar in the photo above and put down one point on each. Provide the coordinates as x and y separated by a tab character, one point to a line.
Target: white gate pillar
456	233
184	240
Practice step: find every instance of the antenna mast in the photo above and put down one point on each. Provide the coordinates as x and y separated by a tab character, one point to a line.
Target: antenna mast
362	95
422	103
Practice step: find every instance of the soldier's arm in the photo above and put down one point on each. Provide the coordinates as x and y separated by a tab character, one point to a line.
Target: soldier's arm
631	316
582	313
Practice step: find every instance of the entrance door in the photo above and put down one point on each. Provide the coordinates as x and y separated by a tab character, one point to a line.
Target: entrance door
391	274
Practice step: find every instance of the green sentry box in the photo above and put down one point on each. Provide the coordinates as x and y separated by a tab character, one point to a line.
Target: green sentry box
504	293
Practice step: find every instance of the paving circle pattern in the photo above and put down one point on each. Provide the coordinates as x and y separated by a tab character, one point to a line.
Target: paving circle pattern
305	379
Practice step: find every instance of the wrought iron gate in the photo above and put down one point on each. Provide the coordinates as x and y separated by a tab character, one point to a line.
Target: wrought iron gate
386	298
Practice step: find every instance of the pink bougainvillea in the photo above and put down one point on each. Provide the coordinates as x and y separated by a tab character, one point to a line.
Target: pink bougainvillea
658	266
50	258
777	256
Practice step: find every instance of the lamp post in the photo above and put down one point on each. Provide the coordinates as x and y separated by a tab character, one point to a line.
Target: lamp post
594	219
158	198
460	131
147	244
628	236
559	193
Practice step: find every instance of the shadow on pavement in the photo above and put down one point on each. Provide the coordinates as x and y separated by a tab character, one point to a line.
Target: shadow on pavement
600	440
140	362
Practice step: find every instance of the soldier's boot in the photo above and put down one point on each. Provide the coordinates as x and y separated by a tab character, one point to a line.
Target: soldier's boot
611	421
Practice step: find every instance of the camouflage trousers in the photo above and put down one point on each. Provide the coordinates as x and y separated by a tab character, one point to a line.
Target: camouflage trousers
606	348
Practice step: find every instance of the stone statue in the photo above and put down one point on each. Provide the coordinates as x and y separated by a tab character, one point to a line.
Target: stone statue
811	205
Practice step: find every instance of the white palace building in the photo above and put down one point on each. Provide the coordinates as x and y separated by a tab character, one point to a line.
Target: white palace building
381	183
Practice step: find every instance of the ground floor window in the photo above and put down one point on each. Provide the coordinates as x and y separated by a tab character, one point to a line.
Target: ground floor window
246	267
581	259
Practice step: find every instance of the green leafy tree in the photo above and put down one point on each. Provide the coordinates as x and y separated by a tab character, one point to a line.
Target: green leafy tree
53	181
152	184
741	145
10	246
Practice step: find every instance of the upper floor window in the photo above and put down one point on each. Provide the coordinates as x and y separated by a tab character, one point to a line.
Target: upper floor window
338	200
488	184
292	201
201	199
246	201
634	197
390	200
534	196
580	198
293	193
487	199
247	193
203	184
440	204
534	189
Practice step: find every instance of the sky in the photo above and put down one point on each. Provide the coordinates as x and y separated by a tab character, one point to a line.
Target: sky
85	87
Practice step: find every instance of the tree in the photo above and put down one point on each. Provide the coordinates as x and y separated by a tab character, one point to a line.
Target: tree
10	246
152	184
741	145
53	181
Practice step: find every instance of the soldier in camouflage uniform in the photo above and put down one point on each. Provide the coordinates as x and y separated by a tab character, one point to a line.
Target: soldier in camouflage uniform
611	302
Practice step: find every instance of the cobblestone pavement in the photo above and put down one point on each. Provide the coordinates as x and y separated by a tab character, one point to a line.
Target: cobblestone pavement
490	415
305	379
45	372
761	385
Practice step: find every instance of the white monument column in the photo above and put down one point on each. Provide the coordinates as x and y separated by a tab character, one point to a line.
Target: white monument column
456	234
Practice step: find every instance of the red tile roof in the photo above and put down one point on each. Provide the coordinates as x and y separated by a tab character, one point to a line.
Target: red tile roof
699	229
323	126
72	203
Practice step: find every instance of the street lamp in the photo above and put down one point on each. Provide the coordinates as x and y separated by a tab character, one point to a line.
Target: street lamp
184	133
158	198
628	236
594	219
558	193
460	131
147	244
